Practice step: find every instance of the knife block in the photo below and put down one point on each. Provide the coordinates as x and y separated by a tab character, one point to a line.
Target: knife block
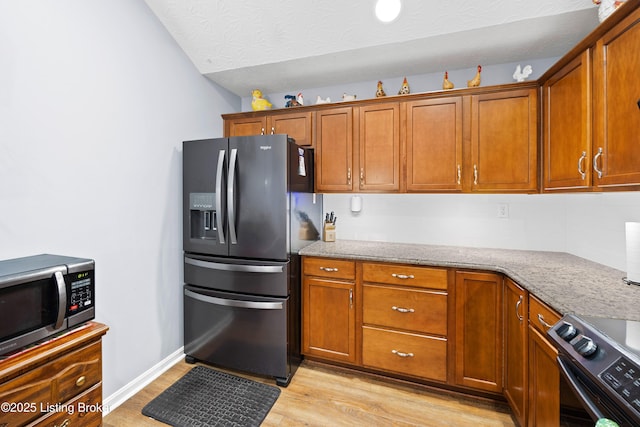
329	232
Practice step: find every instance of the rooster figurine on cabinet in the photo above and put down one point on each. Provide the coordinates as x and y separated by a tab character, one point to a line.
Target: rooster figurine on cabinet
404	89
446	83
380	90
476	80
521	75
258	103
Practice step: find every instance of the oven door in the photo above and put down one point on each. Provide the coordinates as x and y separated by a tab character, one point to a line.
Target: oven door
592	397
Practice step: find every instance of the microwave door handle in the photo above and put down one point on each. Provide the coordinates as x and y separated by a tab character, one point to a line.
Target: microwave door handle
219	218
62	299
231	196
573	383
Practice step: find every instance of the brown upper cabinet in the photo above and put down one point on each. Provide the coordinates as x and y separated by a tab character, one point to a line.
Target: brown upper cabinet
504	141
592	111
434	144
378	143
334	149
298	125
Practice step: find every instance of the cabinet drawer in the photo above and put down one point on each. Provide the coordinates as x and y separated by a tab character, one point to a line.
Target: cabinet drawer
397	274
411	354
328	267
409	309
55	382
541	316
85	410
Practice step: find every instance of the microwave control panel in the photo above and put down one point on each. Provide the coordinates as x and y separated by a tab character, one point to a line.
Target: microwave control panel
80	291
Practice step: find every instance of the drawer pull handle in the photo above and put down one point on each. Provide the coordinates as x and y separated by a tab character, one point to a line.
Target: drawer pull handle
542	322
402	276
329	269
80	381
65	423
402	310
401	354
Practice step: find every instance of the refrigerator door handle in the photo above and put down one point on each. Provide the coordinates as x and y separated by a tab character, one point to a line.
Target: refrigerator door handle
219	223
234	303
230	196
235	267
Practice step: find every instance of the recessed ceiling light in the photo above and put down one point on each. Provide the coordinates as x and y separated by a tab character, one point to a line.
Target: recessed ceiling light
388	10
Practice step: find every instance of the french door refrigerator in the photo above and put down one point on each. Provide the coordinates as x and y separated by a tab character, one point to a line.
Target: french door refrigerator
248	208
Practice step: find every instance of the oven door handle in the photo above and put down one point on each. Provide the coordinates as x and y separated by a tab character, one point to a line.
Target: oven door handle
590	407
234	303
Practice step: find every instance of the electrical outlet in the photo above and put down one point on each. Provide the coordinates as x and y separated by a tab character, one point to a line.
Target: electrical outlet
503	210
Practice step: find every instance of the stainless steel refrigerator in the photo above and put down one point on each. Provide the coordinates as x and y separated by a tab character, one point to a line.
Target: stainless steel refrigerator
248	208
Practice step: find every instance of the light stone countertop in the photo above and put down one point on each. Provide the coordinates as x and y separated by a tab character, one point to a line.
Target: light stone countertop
565	282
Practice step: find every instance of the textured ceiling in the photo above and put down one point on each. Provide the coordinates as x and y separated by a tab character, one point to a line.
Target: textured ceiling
284	44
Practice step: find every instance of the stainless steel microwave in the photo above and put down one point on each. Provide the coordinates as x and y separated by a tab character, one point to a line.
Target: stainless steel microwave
43	295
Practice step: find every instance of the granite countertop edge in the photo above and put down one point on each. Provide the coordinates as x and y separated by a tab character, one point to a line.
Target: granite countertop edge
567	283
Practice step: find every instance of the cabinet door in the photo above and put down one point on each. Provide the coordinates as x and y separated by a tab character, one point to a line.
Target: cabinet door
516	349
379	147
434	144
328	319
334	144
567	126
544	382
479	331
247	126
617	105
504	142
296	125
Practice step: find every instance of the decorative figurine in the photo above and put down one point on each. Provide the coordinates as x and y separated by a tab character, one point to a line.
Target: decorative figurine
476	80
521	75
300	99
380	90
607	7
291	101
404	89
258	103
446	83
319	100
346	97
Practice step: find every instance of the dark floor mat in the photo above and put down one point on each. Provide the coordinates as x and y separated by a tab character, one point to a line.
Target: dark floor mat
206	397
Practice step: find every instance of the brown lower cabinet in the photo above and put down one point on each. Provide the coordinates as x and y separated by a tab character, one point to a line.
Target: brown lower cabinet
328	309
470	331
478	333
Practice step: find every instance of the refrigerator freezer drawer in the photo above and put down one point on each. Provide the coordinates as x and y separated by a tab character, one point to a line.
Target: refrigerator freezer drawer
239	276
237	331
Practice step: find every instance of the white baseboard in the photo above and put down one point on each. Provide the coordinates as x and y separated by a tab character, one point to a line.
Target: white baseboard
120	396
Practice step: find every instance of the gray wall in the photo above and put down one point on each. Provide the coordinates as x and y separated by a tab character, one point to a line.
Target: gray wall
95	100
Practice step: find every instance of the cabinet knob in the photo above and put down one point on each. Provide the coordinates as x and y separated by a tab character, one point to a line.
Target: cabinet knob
80	381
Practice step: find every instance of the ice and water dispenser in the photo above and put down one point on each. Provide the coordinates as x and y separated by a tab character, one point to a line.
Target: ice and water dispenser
202	209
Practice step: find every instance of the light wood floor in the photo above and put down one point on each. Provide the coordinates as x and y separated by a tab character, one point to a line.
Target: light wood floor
320	395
